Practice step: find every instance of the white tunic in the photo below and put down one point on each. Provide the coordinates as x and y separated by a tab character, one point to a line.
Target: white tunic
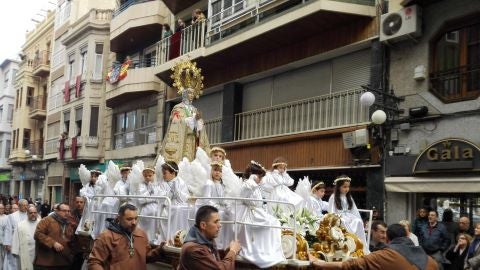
122	187
23	244
10	262
90	220
318	205
351	218
3	225
280	191
177	190
217	189
149	207
260	245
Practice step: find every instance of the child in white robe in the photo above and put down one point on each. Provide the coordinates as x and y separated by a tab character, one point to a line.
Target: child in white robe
214	187
278	182
148	206
319	205
260	245
177	190
341	202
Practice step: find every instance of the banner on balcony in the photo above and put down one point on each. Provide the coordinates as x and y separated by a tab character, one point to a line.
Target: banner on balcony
118	72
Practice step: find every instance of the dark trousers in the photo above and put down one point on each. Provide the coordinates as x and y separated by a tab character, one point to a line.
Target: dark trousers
40	267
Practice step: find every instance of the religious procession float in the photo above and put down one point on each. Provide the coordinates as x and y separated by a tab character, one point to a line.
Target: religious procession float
277	227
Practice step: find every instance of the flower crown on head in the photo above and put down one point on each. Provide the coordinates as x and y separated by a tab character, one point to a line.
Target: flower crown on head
342	178
171	167
258	164
216	163
279	163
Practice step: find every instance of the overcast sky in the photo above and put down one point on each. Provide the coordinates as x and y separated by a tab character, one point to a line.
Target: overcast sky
15	19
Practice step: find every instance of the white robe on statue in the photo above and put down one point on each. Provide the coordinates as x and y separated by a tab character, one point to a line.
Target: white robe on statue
23	244
3	225
279	183
10	262
149	207
351	218
260	245
217	189
177	190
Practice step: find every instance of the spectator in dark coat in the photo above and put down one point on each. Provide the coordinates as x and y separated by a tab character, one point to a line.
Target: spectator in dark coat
457	254
420	221
452	226
434	238
45	209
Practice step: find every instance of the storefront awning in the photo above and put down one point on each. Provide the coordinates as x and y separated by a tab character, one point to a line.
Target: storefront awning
463	184
5	177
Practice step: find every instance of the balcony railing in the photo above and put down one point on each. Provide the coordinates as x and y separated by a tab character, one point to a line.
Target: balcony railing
36	147
51	146
42	58
38	103
214	130
55	101
318	113
126	5
141	136
183	42
456	84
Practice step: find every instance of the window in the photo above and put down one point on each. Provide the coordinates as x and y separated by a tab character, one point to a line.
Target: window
149	57
26	139
29	100
19	98
1	147
14	138
10	113
7	148
5	76
17	138
53	130
455	74
66	122
97	72
83	61
1	114
70	71
14	74
78	121
93	121
135	127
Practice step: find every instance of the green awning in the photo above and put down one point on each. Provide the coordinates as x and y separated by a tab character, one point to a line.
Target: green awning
5	176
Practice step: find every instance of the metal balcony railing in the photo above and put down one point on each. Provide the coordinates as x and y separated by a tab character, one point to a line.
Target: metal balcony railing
183	42
139	136
38	103
51	146
213	128
36	147
41	58
323	112
455	84
55	101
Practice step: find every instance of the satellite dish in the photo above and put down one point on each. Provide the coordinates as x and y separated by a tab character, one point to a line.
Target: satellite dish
391	24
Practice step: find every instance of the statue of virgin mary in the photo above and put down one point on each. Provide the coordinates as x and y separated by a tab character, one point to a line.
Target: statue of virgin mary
186	128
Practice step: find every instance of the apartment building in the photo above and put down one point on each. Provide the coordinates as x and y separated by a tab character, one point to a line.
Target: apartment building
31	88
282	78
135	113
76	104
8	73
435	156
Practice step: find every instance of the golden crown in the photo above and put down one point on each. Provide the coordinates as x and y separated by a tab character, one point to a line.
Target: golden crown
186	75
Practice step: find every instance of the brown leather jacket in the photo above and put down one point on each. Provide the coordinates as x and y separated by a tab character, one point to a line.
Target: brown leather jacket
48	232
385	259
196	256
111	251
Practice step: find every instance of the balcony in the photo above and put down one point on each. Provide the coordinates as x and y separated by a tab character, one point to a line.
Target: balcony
261	35
96	19
75	148
41	64
36	149
136	24
139	82
37	108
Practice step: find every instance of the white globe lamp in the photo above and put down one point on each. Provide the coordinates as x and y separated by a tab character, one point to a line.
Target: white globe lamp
367	99
379	117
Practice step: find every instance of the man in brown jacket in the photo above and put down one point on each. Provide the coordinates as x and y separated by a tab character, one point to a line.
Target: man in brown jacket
199	251
399	254
52	240
122	245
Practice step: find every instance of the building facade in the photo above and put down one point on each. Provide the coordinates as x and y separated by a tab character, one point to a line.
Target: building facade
76	105
26	157
282	78
434	158
9	69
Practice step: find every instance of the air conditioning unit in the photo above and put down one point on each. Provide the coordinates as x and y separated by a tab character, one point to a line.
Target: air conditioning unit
355	138
402	24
